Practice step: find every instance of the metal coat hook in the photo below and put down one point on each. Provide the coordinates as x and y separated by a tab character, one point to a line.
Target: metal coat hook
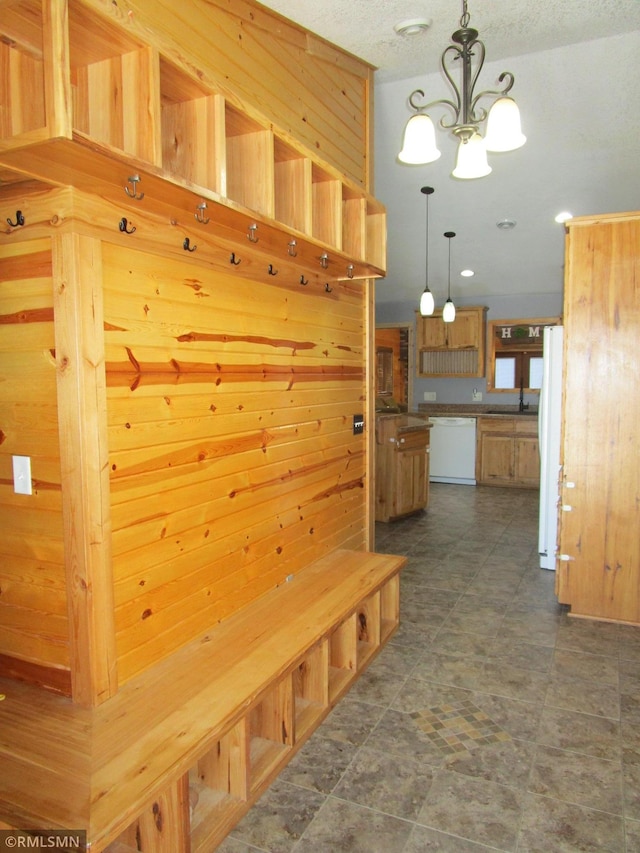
199	214
324	261
292	249
349	270
251	234
187	247
271	270
19	219
232	259
302	281
327	288
134	180
123	226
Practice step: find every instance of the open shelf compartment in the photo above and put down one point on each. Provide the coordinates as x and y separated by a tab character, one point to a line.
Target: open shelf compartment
311	690
389	608
292	178
342	657
368	629
22	74
193	122
326	207
271	733
115	85
249	162
219	787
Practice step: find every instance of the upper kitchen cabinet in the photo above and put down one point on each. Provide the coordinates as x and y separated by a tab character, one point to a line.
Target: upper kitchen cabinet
452	349
138	109
598	572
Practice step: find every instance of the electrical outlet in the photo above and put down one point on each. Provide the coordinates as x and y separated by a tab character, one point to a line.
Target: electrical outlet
22	475
476	396
430	396
358	424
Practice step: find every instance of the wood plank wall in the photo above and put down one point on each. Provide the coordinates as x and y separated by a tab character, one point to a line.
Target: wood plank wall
232	455
33	601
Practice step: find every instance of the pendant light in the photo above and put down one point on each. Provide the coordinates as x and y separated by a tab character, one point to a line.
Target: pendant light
449	310
427	303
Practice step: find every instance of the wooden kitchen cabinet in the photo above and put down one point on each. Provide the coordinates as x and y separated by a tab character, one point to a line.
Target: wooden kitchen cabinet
508	452
452	349
598	570
402	466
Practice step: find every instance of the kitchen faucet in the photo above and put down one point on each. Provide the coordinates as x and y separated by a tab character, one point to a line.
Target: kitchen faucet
522	405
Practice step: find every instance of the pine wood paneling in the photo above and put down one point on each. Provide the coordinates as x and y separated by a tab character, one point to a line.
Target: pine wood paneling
231	450
33	601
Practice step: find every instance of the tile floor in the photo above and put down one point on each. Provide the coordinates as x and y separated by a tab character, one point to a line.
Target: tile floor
491	721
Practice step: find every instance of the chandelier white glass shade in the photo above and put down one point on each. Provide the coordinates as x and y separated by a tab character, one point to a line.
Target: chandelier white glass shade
427	302
449	310
504	131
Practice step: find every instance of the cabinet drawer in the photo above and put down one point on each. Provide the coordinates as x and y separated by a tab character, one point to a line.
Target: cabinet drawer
413	440
527	425
502	425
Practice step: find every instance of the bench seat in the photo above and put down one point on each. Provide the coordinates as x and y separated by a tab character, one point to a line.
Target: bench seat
182	751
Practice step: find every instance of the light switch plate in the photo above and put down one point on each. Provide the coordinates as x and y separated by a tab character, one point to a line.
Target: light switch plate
430	396
22	475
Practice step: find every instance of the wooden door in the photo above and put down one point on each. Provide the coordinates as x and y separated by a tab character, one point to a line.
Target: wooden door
599	566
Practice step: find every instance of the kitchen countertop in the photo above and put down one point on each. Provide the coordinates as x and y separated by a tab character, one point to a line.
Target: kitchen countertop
406	421
476	410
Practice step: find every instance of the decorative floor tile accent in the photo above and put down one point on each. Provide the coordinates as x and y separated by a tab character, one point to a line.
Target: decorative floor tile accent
459	728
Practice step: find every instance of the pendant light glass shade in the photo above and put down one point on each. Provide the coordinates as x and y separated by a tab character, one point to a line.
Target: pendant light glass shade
419	144
449	311
504	132
472	159
427	303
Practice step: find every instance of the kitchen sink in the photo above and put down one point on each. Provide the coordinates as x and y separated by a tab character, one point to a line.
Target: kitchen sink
530	412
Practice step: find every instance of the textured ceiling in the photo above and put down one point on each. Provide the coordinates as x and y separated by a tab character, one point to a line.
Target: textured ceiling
508	27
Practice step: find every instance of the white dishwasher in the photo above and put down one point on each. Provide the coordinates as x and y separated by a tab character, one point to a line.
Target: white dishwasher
452	458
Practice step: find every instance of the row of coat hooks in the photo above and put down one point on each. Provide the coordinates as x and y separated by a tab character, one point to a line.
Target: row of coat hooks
132	190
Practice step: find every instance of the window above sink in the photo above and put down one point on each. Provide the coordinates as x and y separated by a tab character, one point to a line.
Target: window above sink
514	353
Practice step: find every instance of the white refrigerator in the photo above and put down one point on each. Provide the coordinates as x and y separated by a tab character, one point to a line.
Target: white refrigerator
549	428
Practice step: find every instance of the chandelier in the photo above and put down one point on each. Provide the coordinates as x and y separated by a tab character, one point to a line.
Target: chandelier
503	132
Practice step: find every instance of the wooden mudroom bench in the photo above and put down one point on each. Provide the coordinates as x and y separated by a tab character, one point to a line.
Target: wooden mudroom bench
181	752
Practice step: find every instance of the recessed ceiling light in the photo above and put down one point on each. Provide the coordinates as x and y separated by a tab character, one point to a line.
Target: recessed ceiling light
506	224
412	26
564	216
467	273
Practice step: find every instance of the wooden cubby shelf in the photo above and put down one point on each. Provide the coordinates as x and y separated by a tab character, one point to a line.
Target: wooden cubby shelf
154	118
166	690
368	628
311	690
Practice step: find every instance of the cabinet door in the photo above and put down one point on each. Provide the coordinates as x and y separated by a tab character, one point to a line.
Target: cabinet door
412	479
497	458
527	461
432	332
464	332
